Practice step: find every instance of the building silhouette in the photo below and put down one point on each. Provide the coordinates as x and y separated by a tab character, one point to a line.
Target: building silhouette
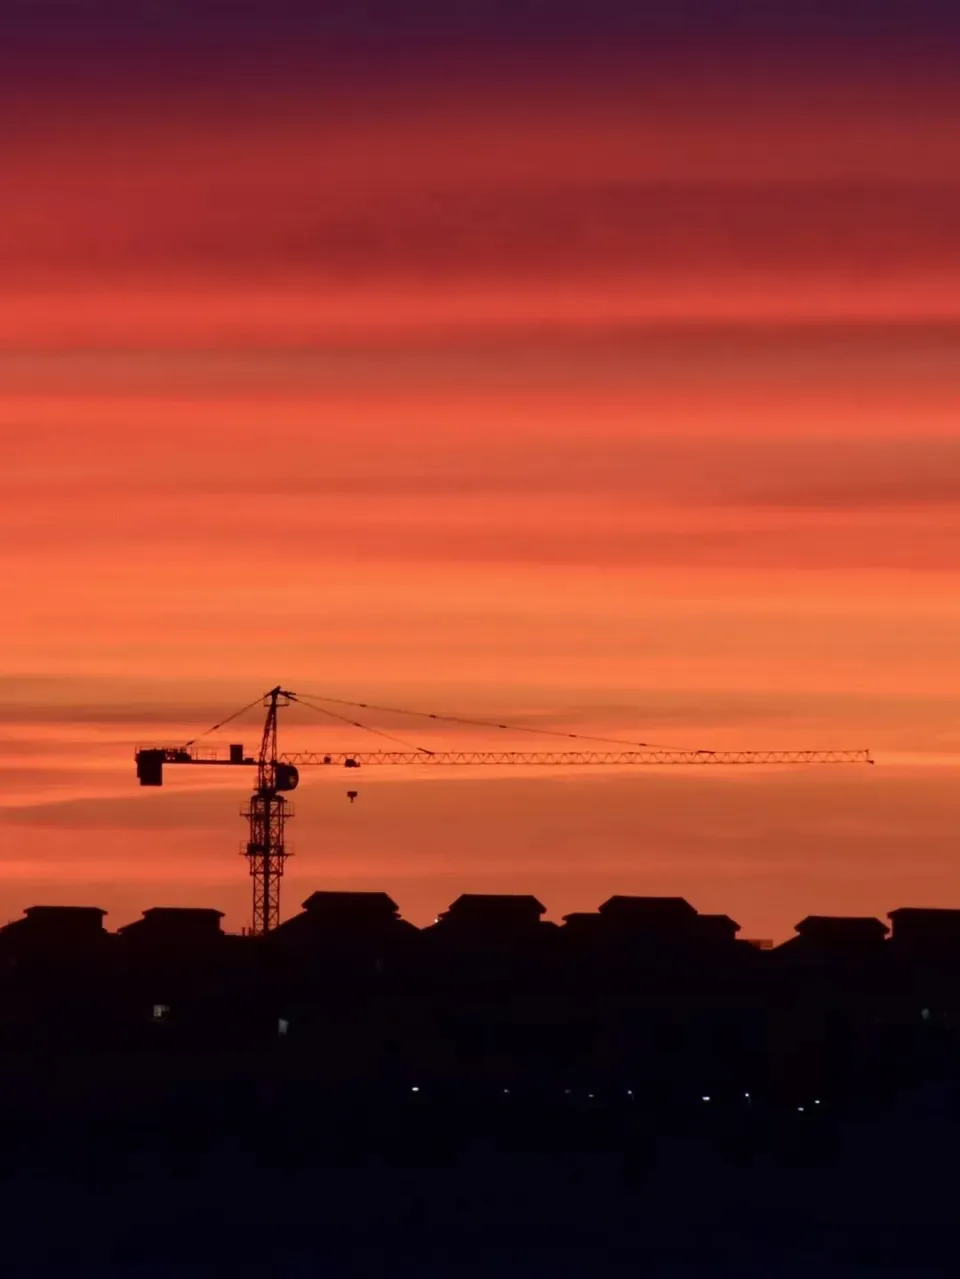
642	993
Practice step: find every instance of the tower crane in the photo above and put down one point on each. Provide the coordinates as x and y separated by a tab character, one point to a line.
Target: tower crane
278	773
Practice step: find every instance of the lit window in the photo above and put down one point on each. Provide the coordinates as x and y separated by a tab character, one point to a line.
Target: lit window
161	1012
282	1025
925	1014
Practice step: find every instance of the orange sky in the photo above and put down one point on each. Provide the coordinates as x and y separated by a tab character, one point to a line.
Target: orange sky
619	408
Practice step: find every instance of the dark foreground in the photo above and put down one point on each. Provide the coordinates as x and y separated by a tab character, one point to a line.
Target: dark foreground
142	1165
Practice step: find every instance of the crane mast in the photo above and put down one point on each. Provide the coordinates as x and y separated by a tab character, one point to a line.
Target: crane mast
267	813
268	809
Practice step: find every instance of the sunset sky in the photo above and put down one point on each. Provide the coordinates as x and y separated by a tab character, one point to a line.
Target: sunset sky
587	368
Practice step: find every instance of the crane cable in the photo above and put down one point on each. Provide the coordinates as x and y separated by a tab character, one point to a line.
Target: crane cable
304	700
481	723
322	710
236	715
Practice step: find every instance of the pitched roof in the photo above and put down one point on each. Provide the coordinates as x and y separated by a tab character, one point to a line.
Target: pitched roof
717	925
174	921
182	912
349	904
841	926
648	907
56	922
935	914
925	924
495	905
63	912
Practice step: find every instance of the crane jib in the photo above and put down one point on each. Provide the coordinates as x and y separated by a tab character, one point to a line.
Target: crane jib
150	761
648	758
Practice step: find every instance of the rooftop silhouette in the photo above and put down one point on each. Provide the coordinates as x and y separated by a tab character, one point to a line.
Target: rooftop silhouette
348	1034
642	987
